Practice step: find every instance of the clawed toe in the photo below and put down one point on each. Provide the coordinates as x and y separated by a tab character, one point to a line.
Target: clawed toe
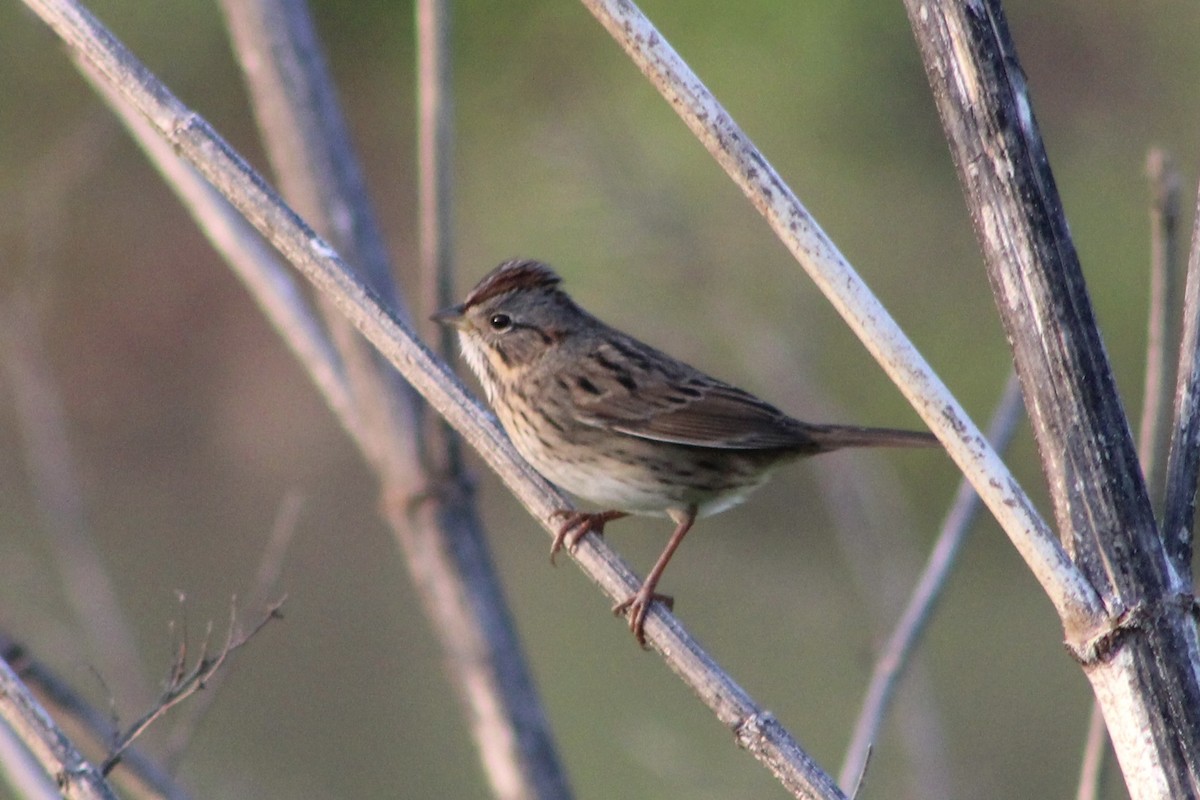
638	606
576	524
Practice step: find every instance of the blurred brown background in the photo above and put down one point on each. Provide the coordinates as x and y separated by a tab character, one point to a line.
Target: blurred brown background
189	422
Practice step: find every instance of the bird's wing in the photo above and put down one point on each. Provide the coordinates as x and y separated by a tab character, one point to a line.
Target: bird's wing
633	389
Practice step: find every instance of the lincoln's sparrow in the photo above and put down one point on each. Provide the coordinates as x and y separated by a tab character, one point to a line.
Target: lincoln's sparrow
622	424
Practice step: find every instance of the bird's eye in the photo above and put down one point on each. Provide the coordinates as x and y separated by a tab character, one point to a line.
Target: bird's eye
500	322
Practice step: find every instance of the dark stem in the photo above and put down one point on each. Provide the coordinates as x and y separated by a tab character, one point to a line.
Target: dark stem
1101	503
1081	428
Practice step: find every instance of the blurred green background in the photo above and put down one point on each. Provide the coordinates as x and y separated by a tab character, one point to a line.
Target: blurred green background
189	422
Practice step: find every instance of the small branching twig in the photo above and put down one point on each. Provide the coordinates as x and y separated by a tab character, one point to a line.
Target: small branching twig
435	180
183	682
266	581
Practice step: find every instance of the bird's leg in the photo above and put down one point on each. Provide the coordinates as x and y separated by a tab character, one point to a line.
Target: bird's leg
578	523
638	605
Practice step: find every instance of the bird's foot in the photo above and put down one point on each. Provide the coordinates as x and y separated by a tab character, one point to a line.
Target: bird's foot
638	606
576	524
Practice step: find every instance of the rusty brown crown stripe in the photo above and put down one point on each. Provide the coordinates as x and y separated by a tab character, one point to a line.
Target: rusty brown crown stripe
515	274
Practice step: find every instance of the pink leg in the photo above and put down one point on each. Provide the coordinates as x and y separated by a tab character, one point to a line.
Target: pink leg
639	604
577	524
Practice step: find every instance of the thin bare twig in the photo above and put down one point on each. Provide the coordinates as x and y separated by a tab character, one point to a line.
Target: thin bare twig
754	728
184	682
435	139
890	665
138	775
266	580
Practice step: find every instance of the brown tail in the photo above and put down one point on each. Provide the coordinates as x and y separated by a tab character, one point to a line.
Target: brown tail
835	437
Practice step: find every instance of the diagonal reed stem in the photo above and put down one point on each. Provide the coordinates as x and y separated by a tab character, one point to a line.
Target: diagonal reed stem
896	654
194	140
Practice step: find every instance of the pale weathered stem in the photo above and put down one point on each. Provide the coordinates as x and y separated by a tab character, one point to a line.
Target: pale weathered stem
1142	657
1076	603
77	779
900	646
194	140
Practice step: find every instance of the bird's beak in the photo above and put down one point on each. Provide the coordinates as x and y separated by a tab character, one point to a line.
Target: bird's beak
450	316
